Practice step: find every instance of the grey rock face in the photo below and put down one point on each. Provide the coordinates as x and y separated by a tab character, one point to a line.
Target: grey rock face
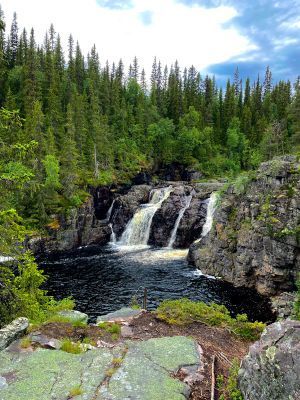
13	331
254	241
271	370
79	228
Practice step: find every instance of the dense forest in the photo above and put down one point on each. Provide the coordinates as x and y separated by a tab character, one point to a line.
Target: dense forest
69	123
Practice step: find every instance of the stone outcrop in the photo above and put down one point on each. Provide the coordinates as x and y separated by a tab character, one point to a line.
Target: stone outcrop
271	370
79	228
13	331
145	370
255	238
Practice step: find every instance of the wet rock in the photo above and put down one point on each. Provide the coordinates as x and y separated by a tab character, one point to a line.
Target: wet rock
103	198
13	331
254	240
126	205
74	316
271	370
143	178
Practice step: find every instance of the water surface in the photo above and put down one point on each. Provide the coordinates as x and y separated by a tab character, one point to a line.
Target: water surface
102	280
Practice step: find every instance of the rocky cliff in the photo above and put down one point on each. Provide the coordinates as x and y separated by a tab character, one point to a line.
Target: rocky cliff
271	370
255	238
79	228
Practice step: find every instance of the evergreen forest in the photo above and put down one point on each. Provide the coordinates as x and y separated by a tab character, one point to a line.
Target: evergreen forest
69	121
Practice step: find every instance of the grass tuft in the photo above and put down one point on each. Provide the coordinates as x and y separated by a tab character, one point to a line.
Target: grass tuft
185	311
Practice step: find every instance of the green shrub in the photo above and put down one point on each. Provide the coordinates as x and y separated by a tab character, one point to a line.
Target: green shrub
110	327
229	390
70	347
185	311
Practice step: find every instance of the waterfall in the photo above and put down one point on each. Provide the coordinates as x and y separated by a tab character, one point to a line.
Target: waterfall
138	229
211	208
113	238
108	215
187	201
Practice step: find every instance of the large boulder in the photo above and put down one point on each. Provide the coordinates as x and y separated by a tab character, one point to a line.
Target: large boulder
13	331
271	370
254	241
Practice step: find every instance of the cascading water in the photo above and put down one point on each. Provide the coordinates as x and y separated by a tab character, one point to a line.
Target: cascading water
113	238
108	215
138	229
211	208
187	201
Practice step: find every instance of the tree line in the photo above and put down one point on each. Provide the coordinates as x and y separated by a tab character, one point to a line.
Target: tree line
69	123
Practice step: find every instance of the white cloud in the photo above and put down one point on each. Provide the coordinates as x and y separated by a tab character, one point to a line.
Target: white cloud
193	35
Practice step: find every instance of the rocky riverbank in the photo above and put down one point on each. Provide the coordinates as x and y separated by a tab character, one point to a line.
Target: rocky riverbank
255	237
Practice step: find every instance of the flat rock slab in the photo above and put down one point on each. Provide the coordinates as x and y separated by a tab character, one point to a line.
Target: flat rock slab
145	372
125	314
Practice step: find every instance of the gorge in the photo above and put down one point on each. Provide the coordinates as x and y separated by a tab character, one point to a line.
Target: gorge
145	248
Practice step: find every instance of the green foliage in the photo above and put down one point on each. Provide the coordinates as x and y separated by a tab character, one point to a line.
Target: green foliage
75	391
25	342
229	389
69	347
185	311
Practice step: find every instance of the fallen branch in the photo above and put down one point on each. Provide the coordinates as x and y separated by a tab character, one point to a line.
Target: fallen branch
213	378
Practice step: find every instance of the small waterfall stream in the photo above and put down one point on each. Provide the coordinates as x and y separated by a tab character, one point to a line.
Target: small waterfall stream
187	201
138	229
211	208
108	215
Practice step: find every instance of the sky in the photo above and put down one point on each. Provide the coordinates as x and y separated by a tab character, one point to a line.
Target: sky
216	36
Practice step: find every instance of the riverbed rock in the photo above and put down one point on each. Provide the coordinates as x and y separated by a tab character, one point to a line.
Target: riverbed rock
271	370
146	371
126	205
13	331
254	241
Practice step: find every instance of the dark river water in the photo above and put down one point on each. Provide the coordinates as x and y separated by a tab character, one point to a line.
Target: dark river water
102	280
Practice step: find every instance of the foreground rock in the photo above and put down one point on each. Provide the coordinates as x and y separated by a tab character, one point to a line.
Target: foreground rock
255	238
271	371
145	371
13	331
